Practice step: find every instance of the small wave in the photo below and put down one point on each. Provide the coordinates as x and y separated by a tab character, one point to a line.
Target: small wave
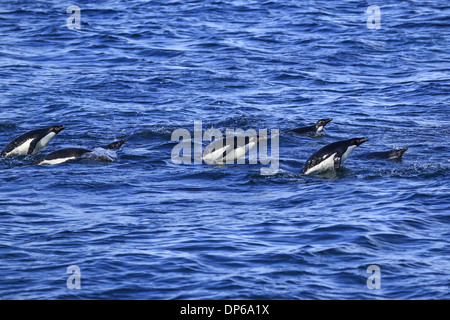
102	155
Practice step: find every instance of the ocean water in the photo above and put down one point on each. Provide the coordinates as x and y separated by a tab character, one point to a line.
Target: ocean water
144	227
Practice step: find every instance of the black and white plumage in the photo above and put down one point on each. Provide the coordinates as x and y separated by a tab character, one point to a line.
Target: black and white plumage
64	155
392	154
331	156
316	128
31	142
228	150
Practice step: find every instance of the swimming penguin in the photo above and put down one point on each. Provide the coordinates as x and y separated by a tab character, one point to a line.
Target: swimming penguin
314	129
220	151
68	154
331	156
392	155
31	142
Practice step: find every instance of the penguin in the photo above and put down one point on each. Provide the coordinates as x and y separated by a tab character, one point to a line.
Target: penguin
220	151
68	154
63	155
331	156
31	142
314	129
395	154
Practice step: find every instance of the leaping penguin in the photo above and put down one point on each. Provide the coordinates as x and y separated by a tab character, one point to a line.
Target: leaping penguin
68	154
314	129
31	142
220	151
331	156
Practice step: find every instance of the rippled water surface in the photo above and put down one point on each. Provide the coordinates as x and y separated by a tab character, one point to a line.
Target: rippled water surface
144	227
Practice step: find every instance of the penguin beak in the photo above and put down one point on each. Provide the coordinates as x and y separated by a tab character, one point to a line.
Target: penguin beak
60	128
362	140
402	151
121	142
328	120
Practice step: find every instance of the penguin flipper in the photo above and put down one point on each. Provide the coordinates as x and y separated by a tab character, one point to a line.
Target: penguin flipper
216	156
220	159
32	146
337	162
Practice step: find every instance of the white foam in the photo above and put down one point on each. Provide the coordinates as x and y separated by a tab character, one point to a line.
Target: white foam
102	155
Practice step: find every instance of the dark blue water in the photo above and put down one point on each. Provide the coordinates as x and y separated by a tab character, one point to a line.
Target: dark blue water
146	228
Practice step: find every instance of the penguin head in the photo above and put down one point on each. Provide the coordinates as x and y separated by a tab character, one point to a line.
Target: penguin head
57	129
396	154
322	123
358	141
115	145
402	151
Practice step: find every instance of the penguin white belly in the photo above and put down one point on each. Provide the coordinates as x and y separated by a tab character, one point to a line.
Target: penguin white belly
44	141
21	150
215	156
326	164
56	161
239	152
347	153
